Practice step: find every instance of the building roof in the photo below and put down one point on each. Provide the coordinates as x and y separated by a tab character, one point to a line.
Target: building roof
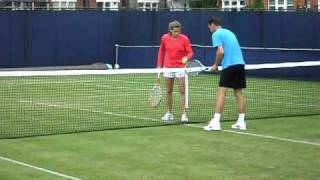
24	0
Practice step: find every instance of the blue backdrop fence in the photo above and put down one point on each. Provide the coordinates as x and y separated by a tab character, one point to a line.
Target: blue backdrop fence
57	38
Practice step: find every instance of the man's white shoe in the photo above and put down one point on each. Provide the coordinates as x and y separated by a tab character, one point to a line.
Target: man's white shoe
213	126
184	118
167	117
239	126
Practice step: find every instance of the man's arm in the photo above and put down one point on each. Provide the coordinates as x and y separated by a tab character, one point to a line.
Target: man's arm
219	56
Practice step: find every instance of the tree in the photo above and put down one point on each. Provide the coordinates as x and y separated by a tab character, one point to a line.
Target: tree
257	4
203	3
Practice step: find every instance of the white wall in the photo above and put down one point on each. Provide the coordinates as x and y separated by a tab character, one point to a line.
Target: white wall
233	4
148	4
176	5
63	4
109	4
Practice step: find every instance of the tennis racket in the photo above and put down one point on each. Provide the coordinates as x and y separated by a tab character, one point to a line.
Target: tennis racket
194	67
155	94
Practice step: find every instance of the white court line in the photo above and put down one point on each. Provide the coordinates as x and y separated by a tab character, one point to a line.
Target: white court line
204	95
246	92
201	88
191	125
264	136
90	110
142	118
39	168
84	82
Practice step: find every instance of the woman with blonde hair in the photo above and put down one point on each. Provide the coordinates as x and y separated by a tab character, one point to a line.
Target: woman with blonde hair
174	52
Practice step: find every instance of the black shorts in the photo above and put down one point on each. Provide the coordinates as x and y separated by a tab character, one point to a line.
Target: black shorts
233	77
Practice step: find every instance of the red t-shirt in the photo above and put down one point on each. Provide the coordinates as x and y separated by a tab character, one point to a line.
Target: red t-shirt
172	50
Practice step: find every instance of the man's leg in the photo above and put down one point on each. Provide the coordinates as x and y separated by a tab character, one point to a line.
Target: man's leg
240	100
240	124
220	99
214	124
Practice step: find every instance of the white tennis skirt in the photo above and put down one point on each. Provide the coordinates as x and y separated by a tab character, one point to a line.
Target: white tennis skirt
168	74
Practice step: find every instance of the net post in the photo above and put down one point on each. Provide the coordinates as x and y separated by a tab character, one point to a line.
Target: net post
117	56
186	84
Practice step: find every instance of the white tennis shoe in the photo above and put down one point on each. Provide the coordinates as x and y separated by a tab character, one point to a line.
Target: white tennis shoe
212	126
184	118
168	116
239	126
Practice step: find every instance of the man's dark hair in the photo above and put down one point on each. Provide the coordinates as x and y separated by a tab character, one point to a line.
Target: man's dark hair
214	20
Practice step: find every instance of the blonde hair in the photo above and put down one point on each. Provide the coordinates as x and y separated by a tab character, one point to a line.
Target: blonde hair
174	24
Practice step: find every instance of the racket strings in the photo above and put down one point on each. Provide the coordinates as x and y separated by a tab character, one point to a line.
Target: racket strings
155	96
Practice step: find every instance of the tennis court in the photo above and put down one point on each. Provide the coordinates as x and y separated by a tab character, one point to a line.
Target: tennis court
171	152
91	122
122	137
43	105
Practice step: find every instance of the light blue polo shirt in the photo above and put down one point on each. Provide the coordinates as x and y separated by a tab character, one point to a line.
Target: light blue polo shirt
232	51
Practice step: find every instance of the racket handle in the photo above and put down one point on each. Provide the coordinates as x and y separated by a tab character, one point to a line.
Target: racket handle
158	79
207	69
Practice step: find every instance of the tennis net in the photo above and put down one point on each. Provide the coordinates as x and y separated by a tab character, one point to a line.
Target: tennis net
37	103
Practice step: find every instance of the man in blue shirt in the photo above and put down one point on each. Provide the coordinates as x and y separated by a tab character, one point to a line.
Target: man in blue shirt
232	76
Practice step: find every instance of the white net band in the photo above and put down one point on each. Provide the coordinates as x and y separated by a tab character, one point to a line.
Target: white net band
149	71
